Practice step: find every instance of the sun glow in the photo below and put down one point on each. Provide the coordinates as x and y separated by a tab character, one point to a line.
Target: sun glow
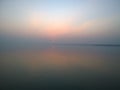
51	27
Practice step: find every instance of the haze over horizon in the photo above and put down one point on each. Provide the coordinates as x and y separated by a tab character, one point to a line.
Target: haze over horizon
60	21
59	44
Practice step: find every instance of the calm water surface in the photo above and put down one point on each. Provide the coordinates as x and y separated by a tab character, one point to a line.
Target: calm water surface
61	66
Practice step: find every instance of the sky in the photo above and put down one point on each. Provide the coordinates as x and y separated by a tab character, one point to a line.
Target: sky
76	21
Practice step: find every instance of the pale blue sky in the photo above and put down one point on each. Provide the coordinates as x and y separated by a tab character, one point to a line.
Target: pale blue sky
95	20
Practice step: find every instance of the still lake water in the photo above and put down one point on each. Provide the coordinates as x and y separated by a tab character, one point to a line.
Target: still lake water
61	66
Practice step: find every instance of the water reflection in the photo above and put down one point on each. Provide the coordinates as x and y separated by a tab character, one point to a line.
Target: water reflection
69	64
55	58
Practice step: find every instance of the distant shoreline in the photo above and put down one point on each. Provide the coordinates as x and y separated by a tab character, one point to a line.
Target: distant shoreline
110	45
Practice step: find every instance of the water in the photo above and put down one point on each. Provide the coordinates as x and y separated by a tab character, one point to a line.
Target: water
65	67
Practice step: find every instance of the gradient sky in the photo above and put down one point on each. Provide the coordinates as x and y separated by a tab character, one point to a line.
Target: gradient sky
89	21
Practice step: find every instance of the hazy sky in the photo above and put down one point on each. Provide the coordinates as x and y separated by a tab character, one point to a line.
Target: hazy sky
64	20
